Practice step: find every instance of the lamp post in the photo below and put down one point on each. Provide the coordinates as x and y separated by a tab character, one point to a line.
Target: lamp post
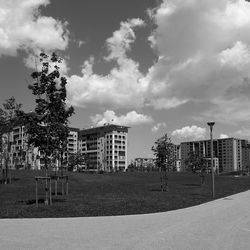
211	124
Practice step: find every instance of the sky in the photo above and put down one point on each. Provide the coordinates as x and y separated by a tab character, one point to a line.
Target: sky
157	66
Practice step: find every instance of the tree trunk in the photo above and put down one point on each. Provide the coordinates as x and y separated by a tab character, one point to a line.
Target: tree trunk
164	181
202	176
46	181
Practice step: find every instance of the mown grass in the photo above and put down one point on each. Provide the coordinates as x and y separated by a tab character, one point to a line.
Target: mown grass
112	194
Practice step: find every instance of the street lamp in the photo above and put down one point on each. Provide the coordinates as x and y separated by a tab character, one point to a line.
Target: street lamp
211	124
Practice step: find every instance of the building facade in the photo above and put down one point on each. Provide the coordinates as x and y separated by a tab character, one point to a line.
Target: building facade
232	153
23	156
105	147
144	163
177	149
20	154
72	145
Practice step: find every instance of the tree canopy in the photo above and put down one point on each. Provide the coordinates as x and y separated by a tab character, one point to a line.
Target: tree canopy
9	115
197	163
47	126
8	120
164	153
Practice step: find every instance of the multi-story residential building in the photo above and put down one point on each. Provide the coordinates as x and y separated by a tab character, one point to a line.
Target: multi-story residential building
72	146
105	147
177	149
23	156
232	153
144	163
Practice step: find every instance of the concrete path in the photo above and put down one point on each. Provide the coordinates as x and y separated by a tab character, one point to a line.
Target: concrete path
221	224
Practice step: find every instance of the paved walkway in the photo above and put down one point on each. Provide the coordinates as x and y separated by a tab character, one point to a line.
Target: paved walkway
221	224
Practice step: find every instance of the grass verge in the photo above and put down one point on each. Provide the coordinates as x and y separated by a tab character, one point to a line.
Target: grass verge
112	194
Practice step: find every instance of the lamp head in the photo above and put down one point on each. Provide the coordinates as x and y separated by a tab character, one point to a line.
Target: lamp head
211	124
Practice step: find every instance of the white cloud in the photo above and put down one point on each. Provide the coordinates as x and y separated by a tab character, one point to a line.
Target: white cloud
158	126
243	133
204	52
223	136
164	103
131	118
190	132
121	41
231	110
238	56
124	86
22	27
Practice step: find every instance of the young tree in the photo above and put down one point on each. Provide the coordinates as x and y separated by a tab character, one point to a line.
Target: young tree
47	127
76	159
164	153
197	163
8	120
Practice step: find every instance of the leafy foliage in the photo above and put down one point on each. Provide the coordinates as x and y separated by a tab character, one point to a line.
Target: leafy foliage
164	153
9	115
8	120
76	159
197	163
47	126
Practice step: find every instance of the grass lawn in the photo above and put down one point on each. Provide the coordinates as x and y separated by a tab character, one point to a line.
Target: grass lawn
112	194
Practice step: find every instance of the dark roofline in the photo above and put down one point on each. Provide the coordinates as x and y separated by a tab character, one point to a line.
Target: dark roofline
217	139
105	128
74	129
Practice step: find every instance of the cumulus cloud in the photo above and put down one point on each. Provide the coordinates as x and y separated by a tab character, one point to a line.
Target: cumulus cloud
158	126
164	103
190	132
124	86
223	136
204	51
237	57
243	133
22	27
131	118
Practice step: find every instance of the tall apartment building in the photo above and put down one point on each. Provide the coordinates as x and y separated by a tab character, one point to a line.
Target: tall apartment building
105	147
232	153
21	155
72	146
177	149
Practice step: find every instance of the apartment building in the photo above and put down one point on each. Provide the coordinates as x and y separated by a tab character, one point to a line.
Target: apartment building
144	163
72	145
177	149
104	147
23	156
232	154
